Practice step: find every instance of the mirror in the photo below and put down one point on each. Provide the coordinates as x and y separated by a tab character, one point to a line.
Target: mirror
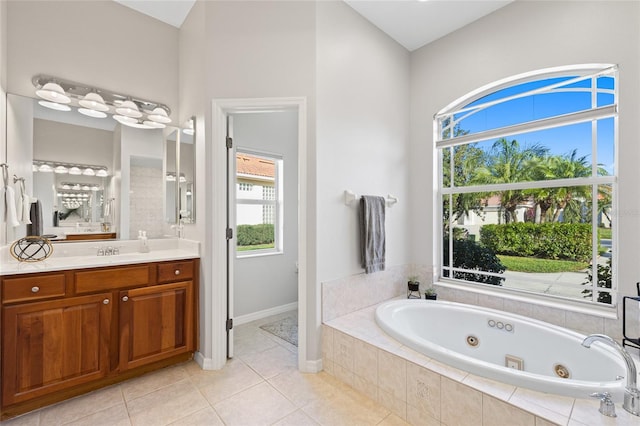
87	204
180	160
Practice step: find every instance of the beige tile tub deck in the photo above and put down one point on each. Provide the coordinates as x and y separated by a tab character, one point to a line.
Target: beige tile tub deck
424	391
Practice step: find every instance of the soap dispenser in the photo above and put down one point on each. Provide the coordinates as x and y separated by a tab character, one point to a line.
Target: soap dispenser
144	243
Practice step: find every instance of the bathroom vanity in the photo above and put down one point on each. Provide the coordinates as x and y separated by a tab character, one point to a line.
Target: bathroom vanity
68	330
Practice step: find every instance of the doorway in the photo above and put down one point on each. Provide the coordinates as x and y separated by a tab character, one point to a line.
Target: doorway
243	291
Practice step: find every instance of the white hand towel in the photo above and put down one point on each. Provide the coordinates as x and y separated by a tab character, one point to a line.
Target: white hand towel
10	214
25	209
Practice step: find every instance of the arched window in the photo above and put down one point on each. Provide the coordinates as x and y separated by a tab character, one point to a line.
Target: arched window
527	184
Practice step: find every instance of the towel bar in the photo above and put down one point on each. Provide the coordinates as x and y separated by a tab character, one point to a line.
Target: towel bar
350	197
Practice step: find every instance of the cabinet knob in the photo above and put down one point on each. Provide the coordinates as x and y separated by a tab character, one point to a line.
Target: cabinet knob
105	302
177	272
35	289
125	298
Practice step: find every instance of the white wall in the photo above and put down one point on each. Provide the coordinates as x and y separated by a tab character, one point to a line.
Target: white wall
3	98
100	43
252	50
265	282
521	37
362	123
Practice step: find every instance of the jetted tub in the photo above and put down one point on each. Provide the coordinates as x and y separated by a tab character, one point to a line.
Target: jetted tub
495	344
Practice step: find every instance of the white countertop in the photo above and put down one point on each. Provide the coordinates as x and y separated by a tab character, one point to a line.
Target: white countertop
79	255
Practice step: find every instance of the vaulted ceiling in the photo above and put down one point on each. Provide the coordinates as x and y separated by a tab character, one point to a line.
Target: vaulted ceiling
412	23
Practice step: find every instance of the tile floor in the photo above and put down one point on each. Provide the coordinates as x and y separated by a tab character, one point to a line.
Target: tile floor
260	386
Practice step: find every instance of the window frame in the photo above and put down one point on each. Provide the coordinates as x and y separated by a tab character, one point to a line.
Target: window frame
277	203
590	115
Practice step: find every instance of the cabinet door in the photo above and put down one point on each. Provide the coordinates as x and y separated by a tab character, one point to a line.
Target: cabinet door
155	323
49	346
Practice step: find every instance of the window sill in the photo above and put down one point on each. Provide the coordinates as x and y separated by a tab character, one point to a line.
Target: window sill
258	254
609	312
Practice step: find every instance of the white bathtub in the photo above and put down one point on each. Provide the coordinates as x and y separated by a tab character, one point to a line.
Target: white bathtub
446	332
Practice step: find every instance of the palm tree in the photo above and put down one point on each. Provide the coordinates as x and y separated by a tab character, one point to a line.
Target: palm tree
508	162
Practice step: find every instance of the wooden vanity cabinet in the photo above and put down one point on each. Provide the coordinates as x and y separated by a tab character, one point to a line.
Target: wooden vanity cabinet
155	323
68	332
48	346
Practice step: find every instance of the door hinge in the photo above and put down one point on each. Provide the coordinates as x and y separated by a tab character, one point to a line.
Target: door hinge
229	142
229	233
229	324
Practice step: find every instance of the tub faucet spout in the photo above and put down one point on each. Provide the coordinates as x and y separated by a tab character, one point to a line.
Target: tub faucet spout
631	394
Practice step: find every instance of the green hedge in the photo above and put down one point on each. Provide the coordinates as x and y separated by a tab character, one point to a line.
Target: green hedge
468	254
250	235
570	241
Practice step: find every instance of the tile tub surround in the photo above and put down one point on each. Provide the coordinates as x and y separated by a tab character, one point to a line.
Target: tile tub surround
345	295
422	391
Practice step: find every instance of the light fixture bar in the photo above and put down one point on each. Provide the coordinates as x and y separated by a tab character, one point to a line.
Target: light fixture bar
78	169
79	91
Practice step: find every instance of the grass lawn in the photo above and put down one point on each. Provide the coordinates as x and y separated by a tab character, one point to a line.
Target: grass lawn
604	233
530	264
256	247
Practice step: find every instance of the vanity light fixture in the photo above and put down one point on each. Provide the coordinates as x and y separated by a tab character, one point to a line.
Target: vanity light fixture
75	186
99	103
159	115
188	130
123	119
94	101
56	106
73	169
92	113
53	92
154	124
129	109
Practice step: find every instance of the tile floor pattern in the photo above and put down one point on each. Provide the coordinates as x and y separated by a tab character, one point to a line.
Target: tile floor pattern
260	386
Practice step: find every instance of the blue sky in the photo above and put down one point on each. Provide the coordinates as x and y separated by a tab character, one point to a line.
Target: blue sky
559	141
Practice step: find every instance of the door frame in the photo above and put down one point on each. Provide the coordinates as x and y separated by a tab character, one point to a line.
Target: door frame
220	109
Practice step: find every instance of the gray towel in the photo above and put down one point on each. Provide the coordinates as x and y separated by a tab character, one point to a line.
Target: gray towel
35	228
372	236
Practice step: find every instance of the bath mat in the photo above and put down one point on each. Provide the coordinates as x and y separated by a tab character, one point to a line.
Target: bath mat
285	328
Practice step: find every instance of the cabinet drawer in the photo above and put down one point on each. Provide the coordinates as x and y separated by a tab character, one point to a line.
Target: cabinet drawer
112	278
32	288
175	271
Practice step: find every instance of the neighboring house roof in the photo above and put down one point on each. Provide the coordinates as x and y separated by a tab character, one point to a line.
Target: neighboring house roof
255	166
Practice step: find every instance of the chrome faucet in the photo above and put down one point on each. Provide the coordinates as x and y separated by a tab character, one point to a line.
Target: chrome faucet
631	394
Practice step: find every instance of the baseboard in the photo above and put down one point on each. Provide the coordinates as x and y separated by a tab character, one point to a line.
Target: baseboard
312	366
243	319
204	363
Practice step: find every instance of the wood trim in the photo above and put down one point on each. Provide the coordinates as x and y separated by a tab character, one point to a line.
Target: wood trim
87	236
112	278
